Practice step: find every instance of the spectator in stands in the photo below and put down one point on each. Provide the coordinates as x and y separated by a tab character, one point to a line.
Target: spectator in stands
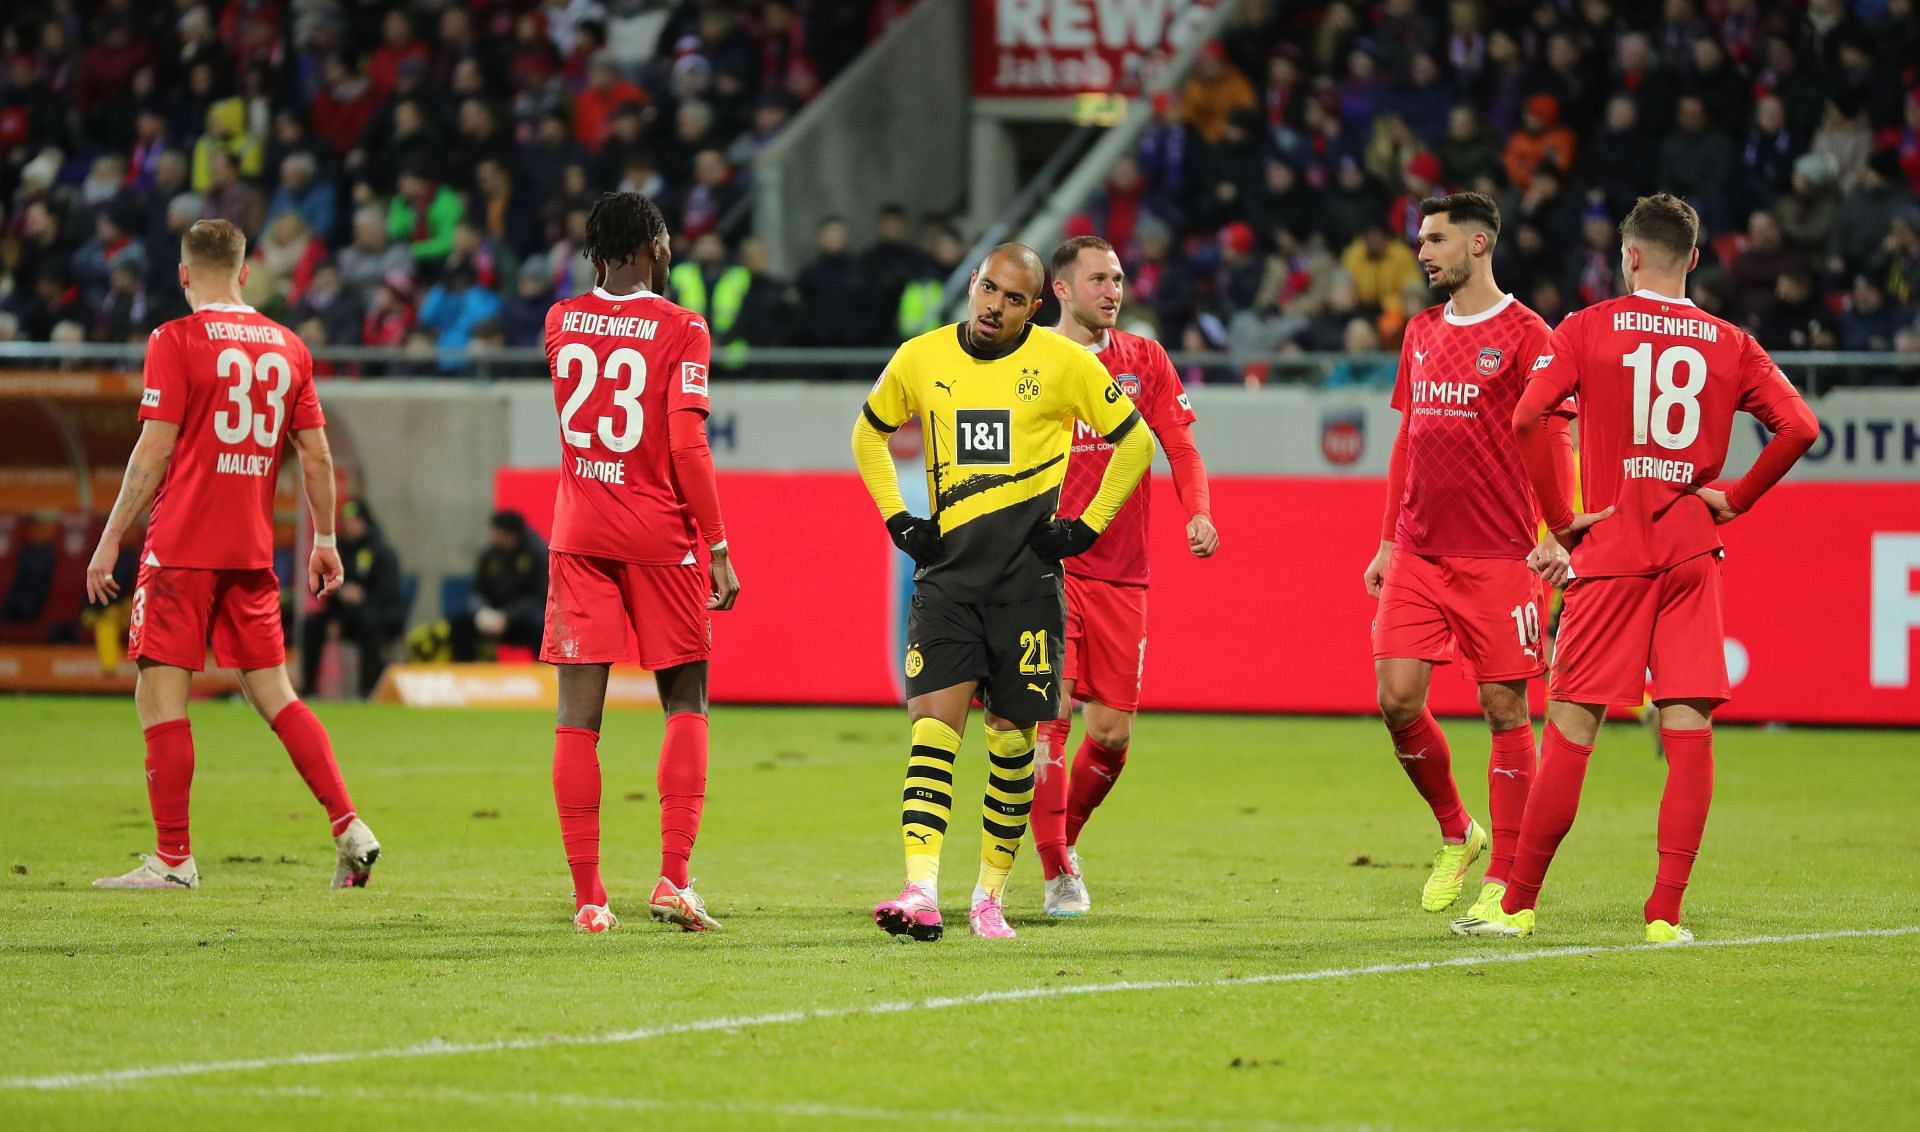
111	246
1637	73
1360	342
302	191
709	203
606	91
1468	152
367	611
1844	139
1697	162
769	118
371	259
122	314
890	263
1895	265
326	301
391	316
452	308
1616	170
922	306
230	198
767	311
1869	321
1798	319
1540	140
523	314
508	603
1358	203
344	106
1766	162
1807	212
1756	270
477	139
423	214
1865	215
282	264
706	284
1282	205
831	287
1213	92
1380	267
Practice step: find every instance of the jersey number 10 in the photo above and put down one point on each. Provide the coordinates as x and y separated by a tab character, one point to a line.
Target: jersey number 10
626	366
1654	415
235	423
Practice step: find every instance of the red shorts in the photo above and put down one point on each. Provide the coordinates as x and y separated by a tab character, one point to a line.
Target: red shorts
602	611
1614	631
1106	642
173	607
1489	609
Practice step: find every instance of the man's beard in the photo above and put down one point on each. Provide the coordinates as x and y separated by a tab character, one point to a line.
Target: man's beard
1447	282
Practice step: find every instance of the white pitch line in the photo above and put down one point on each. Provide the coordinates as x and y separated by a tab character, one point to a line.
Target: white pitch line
791	1109
440	1048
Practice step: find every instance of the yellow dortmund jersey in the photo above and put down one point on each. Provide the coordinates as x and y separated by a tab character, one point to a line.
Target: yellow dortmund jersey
998	429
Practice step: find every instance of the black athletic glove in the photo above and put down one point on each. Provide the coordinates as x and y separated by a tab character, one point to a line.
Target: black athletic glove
918	537
1061	538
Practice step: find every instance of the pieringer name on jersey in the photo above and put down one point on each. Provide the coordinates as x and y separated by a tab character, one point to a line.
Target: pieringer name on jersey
1654	468
609	325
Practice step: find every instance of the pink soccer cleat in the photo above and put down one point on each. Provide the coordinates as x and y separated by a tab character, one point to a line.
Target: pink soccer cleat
987	920
681	907
912	914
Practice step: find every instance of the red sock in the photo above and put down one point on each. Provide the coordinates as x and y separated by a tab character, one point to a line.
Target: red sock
576	794
1095	770
307	744
1509	774
1550	811
1683	817
169	784
1049	816
1422	750
682	780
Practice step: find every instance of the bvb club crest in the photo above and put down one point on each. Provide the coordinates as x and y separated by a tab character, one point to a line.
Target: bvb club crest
1029	387
914	663
1489	362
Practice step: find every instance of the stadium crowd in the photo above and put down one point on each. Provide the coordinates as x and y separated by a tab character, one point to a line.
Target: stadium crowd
419	176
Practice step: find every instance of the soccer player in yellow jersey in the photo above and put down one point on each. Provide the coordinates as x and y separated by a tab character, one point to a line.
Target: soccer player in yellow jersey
997	399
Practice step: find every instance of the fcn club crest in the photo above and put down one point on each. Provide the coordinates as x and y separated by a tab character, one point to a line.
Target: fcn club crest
1489	363
1343	437
1129	384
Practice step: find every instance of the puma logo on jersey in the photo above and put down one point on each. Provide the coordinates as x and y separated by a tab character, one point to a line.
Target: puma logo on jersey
1108	775
920	837
1003	849
1508	771
1420	356
945	386
1530	652
1413	758
1042	689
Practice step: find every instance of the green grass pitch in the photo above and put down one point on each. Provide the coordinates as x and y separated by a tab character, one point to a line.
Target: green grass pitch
1313	992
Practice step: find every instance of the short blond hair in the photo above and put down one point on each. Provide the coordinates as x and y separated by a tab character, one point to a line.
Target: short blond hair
217	244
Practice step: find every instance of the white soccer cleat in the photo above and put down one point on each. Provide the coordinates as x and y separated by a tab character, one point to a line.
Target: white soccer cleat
153	874
1066	897
358	849
594	919
681	907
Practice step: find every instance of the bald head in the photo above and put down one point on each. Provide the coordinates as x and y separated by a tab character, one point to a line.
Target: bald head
1004	293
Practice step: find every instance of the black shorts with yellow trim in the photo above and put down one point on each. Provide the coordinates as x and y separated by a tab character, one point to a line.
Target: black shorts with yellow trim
1014	650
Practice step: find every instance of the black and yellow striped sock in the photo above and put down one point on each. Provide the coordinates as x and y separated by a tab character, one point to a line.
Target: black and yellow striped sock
928	801
1005	807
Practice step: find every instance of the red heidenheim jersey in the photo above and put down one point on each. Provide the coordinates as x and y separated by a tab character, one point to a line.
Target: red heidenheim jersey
1142	370
236	382
620	364
1458	384
1658	381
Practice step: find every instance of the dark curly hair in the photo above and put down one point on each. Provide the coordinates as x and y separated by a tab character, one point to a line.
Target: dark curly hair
622	228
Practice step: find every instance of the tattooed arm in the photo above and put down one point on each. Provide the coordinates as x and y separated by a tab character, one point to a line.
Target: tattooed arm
145	469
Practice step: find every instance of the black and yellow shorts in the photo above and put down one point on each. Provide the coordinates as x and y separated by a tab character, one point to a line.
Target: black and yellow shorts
1013	649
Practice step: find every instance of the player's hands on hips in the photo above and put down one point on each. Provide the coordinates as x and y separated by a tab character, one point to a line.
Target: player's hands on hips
1551	561
1202	539
726	584
324	572
1061	538
1577	530
101	588
1716	502
920	538
1376	575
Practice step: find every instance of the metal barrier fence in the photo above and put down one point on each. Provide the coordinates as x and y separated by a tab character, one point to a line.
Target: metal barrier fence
1813	371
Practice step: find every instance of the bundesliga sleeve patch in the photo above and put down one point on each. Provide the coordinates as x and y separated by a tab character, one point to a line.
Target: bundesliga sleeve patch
693	378
150	399
1543	361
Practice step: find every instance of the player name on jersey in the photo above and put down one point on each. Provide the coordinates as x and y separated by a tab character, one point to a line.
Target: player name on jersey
242	464
606	471
246	332
1678	326
609	325
1654	468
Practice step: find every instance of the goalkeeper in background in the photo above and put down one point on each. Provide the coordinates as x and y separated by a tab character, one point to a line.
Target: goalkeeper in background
997	398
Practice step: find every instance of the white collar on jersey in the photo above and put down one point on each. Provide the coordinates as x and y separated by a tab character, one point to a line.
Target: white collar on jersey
642	293
1474	319
1105	340
1657	297
234	308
